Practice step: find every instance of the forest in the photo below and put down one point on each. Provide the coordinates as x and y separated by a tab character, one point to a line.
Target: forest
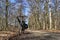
38	15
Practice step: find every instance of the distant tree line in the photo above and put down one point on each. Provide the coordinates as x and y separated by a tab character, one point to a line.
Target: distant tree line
43	14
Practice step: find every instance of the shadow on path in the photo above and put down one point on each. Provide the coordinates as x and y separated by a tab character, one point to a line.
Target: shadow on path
31	36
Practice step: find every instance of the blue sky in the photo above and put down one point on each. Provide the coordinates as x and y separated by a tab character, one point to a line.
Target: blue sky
12	1
25	10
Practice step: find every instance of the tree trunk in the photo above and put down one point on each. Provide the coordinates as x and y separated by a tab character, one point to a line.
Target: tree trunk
6	14
50	19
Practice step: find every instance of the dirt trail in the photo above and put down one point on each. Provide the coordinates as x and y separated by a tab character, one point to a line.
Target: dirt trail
37	35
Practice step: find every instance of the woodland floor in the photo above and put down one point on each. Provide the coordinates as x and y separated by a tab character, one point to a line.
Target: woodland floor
38	35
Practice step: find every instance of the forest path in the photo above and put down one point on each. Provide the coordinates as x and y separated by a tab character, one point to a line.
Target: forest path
37	35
